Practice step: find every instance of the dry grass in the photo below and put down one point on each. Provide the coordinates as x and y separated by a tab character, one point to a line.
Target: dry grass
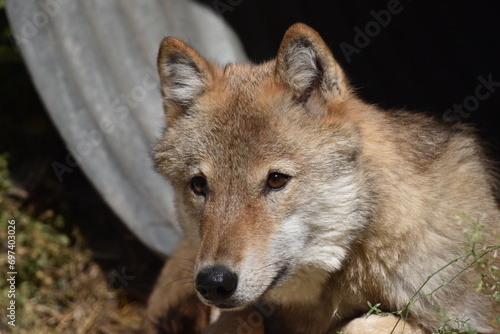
59	288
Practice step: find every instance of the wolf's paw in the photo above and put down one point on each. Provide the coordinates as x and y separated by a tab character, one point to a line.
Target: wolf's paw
235	322
189	316
375	324
173	307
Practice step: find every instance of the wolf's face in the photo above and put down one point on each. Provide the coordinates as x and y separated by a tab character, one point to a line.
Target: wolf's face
267	180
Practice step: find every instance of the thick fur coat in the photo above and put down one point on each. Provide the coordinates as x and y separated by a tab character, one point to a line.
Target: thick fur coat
305	204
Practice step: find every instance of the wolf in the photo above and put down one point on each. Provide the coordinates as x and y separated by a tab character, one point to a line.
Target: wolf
304	208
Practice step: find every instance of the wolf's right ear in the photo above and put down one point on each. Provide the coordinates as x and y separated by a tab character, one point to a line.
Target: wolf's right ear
184	76
306	65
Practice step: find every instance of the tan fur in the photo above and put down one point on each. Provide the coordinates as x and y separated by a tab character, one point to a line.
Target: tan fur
174	307
380	324
369	212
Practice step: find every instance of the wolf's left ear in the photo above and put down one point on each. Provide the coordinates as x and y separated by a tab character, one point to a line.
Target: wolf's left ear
184	76
305	64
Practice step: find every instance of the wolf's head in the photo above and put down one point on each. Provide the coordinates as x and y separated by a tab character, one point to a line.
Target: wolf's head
265	163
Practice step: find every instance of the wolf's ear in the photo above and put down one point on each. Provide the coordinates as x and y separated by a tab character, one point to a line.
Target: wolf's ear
305	64
184	76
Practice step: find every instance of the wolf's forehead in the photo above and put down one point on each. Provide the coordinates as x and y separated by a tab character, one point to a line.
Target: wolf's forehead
245	77
241	134
240	120
239	102
242	126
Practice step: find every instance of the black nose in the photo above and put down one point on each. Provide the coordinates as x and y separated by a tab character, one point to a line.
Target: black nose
216	283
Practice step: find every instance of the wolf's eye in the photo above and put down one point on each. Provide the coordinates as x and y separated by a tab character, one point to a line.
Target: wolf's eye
199	185
277	181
